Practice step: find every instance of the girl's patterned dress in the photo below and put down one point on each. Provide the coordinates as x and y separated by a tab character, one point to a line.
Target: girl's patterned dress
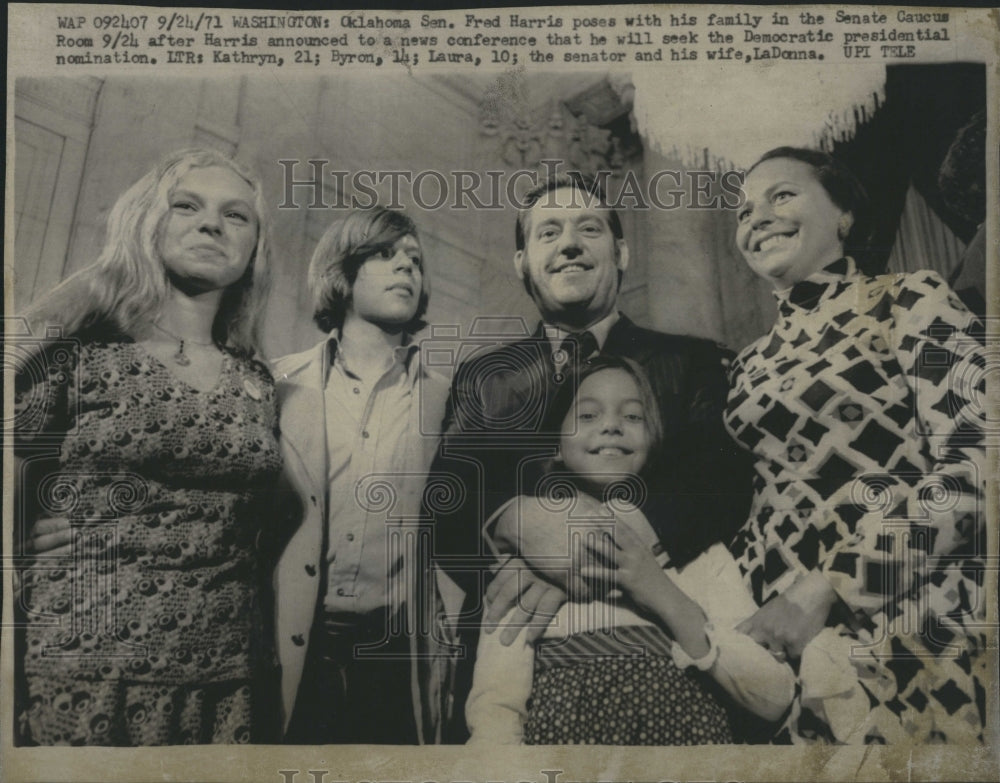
620	687
149	632
603	675
864	408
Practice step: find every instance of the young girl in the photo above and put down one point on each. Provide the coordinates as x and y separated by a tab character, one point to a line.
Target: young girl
652	661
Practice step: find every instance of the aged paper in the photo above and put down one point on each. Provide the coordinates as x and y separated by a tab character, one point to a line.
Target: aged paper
448	114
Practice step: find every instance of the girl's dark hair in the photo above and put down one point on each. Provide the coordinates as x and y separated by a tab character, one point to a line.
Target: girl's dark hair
551	475
843	188
562	402
667	512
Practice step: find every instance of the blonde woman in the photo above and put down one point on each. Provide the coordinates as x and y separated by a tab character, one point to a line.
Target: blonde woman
145	436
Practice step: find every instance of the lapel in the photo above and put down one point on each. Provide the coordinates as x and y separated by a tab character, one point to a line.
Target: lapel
425	417
302	413
623	339
528	377
417	463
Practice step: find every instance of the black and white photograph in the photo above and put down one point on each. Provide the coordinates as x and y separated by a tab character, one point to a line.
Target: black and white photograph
387	390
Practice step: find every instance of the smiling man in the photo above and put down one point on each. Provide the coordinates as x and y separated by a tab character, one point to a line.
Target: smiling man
350	415
571	256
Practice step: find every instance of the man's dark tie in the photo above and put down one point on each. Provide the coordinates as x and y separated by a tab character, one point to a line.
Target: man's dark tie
573	351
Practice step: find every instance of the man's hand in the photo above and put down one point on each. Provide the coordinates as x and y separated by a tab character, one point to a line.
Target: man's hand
540	579
540	536
788	622
535	602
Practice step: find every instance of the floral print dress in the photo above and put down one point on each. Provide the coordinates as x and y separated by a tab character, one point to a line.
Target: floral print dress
148	632
864	410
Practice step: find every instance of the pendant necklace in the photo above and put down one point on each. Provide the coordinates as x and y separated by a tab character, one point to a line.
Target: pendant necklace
180	357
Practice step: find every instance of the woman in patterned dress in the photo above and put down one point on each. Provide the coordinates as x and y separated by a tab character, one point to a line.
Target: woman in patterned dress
146	435
863	409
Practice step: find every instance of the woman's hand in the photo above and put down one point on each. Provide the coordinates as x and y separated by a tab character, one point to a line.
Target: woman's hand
788	622
50	536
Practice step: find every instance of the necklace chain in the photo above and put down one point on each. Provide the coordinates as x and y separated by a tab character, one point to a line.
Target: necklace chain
180	357
181	339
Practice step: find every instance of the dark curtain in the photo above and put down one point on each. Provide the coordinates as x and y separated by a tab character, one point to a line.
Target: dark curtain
905	142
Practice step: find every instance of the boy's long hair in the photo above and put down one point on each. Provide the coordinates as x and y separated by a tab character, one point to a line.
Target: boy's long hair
340	253
128	285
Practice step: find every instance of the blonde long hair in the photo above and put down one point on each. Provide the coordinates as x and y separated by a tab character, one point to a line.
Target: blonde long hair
128	284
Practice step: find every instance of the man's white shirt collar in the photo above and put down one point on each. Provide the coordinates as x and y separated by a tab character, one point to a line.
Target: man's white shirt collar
600	330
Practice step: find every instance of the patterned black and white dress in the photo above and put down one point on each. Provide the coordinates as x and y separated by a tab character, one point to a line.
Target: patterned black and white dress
864	409
145	635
